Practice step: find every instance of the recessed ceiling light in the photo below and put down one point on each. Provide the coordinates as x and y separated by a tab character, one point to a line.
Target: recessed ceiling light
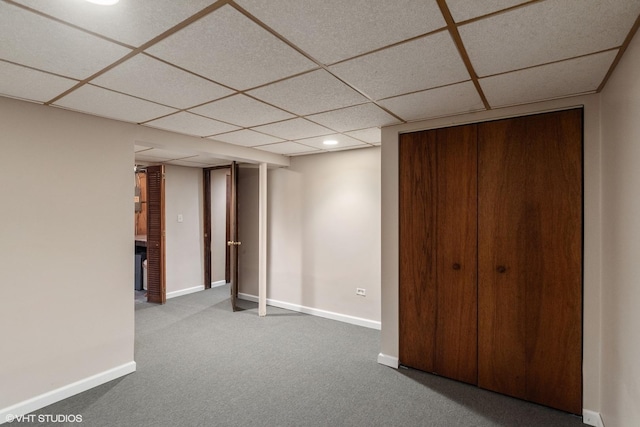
104	2
330	142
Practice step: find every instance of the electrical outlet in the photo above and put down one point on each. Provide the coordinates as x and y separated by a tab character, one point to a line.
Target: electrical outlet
361	291
180	218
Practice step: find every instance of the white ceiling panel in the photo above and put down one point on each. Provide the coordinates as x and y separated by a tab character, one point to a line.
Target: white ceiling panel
421	64
548	81
139	148
154	80
132	22
288	148
309	93
343	142
443	101
191	124
352	118
21	82
547	31
30	39
163	154
371	135
103	102
333	30
242	111
229	48
294	129
199	163
462	10
247	138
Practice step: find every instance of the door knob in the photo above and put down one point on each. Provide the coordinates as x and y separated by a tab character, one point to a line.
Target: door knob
456	266
501	269
232	243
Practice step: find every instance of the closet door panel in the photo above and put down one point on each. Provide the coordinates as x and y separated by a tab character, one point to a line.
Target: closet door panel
417	194
530	247
501	301
456	333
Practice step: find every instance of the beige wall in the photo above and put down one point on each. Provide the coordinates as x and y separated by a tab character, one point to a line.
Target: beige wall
248	181
66	249
184	240
66	245
620	104
324	232
592	230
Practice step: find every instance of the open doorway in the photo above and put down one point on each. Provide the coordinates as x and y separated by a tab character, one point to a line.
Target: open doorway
140	234
217	222
149	270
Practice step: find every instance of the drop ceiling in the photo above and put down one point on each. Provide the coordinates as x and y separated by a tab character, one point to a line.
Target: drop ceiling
283	75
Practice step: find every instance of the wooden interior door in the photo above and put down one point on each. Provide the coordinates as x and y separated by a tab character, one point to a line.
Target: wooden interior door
457	241
530	258
206	201
233	243
438	252
417	289
156	279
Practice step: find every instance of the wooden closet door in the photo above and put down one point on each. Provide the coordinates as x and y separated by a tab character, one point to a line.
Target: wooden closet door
156	276
417	289
530	258
438	252
456	237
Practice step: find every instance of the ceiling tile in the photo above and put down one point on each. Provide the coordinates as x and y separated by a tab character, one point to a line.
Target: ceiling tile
287	148
246	137
229	48
371	135
242	111
548	81
30	39
421	64
358	117
294	129
462	10
103	102
191	124
343	142
332	30
131	22
443	101
309	93
151	79
547	31
21	82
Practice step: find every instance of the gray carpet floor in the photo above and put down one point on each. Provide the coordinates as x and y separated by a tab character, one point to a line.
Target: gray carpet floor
200	364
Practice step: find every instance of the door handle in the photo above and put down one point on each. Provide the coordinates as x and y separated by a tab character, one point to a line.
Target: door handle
232	243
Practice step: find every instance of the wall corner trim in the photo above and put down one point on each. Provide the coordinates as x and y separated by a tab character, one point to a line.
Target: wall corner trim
385	359
359	321
27	406
186	291
592	418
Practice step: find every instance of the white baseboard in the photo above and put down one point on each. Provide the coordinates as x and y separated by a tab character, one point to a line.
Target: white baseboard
385	359
316	312
592	418
185	291
218	283
46	399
